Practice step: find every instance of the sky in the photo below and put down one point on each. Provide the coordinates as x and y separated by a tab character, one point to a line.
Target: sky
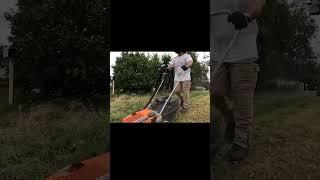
114	55
5	6
316	41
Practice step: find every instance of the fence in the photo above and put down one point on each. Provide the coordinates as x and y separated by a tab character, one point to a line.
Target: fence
287	84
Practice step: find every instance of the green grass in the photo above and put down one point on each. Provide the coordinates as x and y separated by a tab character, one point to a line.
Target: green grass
199	112
49	137
286	141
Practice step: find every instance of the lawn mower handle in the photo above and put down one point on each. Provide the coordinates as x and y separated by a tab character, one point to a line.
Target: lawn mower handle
175	66
233	40
174	88
216	13
148	105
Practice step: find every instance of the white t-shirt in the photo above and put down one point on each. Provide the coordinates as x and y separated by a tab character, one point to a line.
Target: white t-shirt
222	32
177	63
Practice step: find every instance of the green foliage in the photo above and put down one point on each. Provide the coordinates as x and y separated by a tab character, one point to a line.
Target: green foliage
199	71
165	59
168	83
284	38
61	46
135	72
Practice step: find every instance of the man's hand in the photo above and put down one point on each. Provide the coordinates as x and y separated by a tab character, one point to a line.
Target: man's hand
184	67
239	20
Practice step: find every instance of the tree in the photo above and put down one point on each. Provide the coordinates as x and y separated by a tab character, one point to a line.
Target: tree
284	38
165	59
199	71
61	47
169	80
138	73
135	72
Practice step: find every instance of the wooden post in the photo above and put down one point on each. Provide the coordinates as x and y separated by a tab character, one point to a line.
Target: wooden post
112	87
10	81
6	55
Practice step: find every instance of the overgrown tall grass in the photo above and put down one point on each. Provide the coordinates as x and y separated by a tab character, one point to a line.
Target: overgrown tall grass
36	142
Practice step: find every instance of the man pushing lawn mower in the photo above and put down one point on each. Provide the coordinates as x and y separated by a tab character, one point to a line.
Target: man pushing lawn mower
164	109
235	71
182	78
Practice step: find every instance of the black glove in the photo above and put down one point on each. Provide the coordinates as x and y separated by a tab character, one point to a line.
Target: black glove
239	20
184	67
163	68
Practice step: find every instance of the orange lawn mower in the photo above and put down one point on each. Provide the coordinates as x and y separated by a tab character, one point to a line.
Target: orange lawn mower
157	110
95	168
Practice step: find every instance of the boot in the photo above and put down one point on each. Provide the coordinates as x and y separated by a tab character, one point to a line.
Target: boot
237	153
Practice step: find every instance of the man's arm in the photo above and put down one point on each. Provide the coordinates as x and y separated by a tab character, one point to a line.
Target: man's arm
189	63
171	64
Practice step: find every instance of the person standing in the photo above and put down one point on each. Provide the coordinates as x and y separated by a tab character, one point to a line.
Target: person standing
233	87
182	77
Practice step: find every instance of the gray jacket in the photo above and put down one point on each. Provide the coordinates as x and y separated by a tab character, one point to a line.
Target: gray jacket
221	33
